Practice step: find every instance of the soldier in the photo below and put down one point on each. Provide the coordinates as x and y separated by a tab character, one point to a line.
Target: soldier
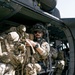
41	51
60	63
21	30
10	50
5	67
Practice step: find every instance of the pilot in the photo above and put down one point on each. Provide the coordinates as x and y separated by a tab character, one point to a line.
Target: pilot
40	52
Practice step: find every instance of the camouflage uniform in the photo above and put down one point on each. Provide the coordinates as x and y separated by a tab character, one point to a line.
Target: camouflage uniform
39	54
54	55
8	60
60	63
37	65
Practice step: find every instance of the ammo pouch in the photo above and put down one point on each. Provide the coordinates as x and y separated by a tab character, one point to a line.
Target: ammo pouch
10	59
14	60
4	59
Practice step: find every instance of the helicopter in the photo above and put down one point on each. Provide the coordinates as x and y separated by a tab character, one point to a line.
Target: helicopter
29	12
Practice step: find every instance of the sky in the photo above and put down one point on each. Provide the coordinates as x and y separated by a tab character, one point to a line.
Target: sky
66	8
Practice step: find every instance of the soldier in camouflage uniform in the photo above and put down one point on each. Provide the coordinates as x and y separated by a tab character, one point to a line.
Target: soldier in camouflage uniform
40	52
60	64
5	67
10	53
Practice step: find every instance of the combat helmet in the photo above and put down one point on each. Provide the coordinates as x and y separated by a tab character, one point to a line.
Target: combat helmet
13	36
39	27
21	28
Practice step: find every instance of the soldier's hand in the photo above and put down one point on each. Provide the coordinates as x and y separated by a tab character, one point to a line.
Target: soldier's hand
30	42
27	42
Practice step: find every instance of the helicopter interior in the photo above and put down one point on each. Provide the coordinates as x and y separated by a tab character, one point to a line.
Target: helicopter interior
59	29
